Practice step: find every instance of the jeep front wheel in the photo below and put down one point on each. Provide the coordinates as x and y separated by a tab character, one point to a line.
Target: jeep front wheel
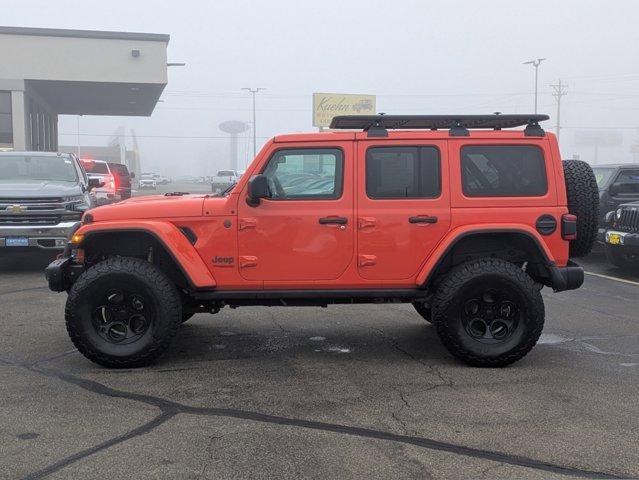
123	312
488	313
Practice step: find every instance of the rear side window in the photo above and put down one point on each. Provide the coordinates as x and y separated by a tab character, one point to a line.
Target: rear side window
503	171
119	169
403	172
95	167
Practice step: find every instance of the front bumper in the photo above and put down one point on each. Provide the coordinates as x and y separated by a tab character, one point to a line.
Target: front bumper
569	277
48	237
628	242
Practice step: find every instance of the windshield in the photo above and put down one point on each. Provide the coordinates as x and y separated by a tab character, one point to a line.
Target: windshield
226	173
602	175
37	167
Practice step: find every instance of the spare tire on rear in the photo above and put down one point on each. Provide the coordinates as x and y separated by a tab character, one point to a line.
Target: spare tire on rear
583	201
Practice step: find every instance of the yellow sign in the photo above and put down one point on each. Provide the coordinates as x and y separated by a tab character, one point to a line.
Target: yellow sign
329	105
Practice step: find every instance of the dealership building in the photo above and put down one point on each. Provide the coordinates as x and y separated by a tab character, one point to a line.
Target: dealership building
49	72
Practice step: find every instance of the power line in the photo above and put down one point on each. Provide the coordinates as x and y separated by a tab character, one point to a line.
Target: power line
151	136
559	91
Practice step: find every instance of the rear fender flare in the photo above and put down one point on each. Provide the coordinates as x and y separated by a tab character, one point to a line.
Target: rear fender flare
448	242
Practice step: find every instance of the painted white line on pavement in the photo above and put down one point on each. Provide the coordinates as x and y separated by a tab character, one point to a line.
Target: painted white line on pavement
612	278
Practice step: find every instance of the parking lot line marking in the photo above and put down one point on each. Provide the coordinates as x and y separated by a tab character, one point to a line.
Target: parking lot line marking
622	280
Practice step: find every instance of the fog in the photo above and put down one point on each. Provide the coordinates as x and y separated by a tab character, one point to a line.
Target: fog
415	56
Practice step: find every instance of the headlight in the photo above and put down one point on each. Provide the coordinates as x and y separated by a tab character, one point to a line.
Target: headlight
618	213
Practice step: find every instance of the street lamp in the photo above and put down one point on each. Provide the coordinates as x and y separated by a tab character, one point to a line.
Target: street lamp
535	63
254	91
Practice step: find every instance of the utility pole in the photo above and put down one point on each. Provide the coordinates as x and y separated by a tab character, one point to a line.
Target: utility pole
559	91
254	91
535	63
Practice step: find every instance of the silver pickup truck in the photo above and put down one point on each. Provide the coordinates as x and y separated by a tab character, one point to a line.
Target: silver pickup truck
42	197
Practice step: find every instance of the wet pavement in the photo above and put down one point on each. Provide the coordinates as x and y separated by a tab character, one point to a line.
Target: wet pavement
343	392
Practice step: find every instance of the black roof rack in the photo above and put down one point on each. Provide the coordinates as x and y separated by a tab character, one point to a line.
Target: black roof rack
458	125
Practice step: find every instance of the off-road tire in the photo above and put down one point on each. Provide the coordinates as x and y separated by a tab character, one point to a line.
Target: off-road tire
164	326
447	312
583	201
424	311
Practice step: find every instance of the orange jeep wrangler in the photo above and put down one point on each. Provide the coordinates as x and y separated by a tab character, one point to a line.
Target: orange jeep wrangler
463	219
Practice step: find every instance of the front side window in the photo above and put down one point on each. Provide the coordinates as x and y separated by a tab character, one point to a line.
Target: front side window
305	174
503	171
602	175
402	172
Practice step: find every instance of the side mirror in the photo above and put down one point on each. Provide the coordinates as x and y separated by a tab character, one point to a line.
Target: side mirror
95	183
132	174
257	189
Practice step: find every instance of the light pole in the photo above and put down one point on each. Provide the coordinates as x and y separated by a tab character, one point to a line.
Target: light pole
254	91
535	63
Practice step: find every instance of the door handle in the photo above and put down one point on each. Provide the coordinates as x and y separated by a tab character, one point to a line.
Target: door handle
333	221
422	219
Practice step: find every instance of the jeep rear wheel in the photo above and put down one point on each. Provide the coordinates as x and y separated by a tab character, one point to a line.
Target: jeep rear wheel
583	201
123	312
488	313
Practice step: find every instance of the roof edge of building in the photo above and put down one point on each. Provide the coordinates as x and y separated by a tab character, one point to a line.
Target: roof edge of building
103	34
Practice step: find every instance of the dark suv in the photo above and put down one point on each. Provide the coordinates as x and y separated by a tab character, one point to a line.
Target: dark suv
617	184
122	178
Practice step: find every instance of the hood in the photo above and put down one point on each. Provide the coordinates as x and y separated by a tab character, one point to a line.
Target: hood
155	206
38	188
629	204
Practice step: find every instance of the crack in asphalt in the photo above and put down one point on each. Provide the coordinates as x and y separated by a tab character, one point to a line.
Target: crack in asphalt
141	430
170	408
9	292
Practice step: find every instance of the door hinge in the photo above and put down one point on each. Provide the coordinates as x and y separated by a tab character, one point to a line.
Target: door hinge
248	261
367	260
246	223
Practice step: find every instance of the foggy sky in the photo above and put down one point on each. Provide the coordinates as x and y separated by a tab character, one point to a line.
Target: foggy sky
416	56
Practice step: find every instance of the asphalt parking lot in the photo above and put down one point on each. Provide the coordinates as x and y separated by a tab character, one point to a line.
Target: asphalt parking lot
343	392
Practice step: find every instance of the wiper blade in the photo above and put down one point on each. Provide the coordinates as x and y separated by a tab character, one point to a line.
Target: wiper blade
228	189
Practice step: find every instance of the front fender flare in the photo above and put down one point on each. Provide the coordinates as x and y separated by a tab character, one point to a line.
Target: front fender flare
168	235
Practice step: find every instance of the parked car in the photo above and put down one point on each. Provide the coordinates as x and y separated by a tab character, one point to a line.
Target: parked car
147	182
101	171
223	180
122	178
622	236
617	184
42	197
465	225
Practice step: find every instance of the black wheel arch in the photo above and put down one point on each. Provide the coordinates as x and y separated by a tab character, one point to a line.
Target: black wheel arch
514	246
136	243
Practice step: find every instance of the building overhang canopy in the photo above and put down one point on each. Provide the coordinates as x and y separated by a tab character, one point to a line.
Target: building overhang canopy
87	72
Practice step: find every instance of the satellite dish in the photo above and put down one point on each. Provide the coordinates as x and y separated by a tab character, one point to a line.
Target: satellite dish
233	127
